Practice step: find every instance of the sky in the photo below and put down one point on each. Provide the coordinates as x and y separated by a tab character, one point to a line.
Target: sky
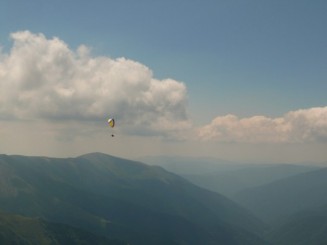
242	80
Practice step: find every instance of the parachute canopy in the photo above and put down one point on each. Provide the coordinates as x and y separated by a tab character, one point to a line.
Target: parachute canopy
111	122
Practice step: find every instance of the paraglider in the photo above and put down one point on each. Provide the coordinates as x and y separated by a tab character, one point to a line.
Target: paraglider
111	123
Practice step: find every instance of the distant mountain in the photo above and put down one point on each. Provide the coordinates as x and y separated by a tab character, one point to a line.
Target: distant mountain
231	182
226	177
123	200
285	197
16	229
304	228
191	165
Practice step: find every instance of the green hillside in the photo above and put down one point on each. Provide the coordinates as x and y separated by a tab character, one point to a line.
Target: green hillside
16	229
122	200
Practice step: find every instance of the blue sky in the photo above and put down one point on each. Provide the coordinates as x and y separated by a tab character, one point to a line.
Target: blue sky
245	58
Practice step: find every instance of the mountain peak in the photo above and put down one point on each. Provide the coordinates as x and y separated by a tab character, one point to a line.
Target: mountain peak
95	155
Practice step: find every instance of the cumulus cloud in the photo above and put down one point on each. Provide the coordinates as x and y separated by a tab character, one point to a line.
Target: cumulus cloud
296	126
43	78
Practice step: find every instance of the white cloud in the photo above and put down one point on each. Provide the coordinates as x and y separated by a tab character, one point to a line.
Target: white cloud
295	126
44	79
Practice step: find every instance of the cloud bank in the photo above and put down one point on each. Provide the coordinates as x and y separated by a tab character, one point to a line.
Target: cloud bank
43	79
296	126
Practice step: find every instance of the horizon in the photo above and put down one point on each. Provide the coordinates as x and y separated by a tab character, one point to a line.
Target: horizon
178	158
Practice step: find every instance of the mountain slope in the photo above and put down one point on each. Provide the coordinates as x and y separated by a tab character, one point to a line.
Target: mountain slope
123	200
287	196
191	165
16	229
304	228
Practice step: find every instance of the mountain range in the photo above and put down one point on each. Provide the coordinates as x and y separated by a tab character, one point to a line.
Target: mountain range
227	177
289	198
120	200
101	199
